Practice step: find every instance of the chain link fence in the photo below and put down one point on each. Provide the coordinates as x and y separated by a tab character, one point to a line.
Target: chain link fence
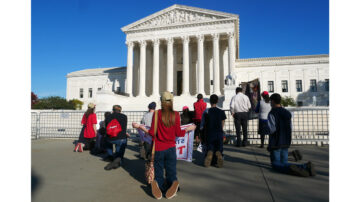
310	125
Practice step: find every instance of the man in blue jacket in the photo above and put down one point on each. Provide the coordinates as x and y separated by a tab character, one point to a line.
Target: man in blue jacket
279	121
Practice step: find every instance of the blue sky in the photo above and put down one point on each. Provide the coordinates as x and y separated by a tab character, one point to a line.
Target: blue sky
70	35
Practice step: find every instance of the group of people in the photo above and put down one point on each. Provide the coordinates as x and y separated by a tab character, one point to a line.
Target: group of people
112	131
163	126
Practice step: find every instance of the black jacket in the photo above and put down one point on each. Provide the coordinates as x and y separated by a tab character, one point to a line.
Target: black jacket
122	119
281	137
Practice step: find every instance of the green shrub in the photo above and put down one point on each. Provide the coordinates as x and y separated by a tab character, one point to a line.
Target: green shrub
53	102
287	101
76	103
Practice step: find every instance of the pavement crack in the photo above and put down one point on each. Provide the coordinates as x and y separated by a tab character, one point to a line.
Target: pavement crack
263	174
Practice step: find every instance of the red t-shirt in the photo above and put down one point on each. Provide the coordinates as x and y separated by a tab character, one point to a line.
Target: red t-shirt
165	137
89	128
199	108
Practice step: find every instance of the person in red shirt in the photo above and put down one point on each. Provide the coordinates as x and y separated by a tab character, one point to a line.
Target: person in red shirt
168	128
88	133
199	108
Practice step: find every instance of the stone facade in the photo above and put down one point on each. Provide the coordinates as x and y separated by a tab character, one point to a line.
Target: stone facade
188	50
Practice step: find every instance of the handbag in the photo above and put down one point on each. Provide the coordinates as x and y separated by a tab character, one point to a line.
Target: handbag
149	165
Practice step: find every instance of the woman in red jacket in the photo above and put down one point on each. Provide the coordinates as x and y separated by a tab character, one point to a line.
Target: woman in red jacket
168	129
89	122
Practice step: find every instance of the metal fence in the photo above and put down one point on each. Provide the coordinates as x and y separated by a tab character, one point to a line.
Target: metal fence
310	125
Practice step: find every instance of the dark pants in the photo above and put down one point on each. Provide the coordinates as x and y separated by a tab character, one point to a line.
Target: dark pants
279	161
165	159
148	149
241	122
215	144
120	145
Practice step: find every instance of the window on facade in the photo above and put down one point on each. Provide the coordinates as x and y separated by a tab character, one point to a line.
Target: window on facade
99	89
313	87
271	86
326	84
298	85
81	93
284	86
90	92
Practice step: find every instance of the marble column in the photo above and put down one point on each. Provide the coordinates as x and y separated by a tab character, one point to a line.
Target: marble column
216	65
170	65
142	68
231	41
155	91
185	89
201	64
129	68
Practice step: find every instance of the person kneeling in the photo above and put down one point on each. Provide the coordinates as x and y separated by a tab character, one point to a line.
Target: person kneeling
116	125
279	121
214	119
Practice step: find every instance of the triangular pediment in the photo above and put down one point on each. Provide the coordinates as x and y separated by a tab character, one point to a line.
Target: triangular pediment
178	15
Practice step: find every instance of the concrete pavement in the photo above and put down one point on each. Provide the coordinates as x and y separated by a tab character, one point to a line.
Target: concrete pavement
59	174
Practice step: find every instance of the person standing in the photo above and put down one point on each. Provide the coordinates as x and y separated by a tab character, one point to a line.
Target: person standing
263	108
115	119
214	120
239	108
145	148
199	108
168	128
279	122
88	122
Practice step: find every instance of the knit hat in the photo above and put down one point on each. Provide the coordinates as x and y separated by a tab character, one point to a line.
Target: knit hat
265	93
185	107
152	105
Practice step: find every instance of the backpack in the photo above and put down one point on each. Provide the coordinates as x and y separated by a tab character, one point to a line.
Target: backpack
113	128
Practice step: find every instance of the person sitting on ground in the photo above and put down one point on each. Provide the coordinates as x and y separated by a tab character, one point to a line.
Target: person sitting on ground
116	124
263	108
89	122
145	148
199	108
99	144
214	120
168	128
279	121
186	116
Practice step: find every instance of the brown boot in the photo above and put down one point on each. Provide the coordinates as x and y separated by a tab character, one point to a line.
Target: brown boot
155	190
219	159
208	158
171	192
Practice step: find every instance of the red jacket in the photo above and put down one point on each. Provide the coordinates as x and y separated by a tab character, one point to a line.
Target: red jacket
89	128
165	137
199	108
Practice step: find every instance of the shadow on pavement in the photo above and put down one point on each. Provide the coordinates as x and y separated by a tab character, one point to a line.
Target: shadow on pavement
35	182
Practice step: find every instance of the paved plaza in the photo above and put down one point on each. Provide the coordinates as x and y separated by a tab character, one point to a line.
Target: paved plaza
59	174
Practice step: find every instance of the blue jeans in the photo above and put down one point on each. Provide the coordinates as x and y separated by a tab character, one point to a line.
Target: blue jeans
120	145
279	161
215	144
165	159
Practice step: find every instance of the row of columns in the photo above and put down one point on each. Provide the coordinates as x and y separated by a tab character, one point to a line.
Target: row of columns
170	64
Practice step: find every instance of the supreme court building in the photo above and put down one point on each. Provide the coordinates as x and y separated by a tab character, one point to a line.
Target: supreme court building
188	50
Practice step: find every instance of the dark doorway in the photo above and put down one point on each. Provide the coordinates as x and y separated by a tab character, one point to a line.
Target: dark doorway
179	83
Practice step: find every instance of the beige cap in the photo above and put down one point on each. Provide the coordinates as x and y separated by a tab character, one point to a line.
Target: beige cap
166	96
91	105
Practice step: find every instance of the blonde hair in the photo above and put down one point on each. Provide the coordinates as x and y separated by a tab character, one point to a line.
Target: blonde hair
167	113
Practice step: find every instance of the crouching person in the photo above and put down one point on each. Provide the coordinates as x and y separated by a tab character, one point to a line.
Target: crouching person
214	119
116	125
168	128
279	121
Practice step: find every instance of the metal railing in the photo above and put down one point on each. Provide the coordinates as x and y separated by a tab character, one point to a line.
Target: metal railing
310	125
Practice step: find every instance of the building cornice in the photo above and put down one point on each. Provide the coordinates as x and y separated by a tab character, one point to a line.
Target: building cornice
286	60
97	72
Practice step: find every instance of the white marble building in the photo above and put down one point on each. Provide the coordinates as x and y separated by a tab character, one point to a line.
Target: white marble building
188	50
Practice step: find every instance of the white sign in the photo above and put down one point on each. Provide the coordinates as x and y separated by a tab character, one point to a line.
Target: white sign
184	145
